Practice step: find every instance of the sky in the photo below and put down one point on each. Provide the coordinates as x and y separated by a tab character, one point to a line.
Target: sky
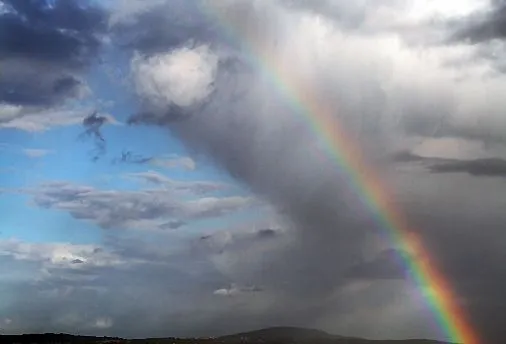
157	177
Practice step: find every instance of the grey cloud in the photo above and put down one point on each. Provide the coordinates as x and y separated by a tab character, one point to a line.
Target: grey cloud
263	147
183	161
36	153
173	224
92	128
235	290
267	233
129	157
166	162
16	86
386	265
238	240
38	120
65	32
174	114
250	131
485	26
405	156
49	44
190	24
478	167
132	209
62	296
255	134
485	167
192	187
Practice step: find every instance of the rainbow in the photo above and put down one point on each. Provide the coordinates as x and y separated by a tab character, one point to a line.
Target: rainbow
364	182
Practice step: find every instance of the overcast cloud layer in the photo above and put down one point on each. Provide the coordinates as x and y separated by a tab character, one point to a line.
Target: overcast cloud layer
418	84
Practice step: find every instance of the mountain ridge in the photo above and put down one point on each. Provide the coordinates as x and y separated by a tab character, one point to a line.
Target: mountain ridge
270	335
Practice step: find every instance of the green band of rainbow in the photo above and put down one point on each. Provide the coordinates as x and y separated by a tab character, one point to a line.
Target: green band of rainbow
364	182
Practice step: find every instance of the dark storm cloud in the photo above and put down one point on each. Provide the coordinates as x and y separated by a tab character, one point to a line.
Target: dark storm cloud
387	265
478	167
472	262
250	131
16	86
49	43
252	134
64	32
267	233
484	27
268	158
173	114
485	167
164	25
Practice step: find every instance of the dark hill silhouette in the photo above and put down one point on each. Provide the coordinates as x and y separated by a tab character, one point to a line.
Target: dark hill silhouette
54	338
282	333
274	335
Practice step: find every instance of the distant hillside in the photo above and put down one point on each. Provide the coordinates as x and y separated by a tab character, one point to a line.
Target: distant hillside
56	338
274	335
282	333
296	335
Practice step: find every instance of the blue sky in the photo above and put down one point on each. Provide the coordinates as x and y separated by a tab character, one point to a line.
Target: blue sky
65	157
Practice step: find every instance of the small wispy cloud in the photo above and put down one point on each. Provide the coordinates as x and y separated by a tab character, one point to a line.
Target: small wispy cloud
36	120
103	323
93	124
193	187
29	152
235	290
168	162
175	162
36	153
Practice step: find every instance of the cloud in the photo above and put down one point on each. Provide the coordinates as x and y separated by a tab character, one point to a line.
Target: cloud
235	290
267	233
386	265
166	162
386	93
129	19
373	67
184	162
479	167
185	77
143	209
484	167
52	295
93	124
29	152
103	323
36	153
36	120
192	187
50	44
226	292
484	26
173	224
